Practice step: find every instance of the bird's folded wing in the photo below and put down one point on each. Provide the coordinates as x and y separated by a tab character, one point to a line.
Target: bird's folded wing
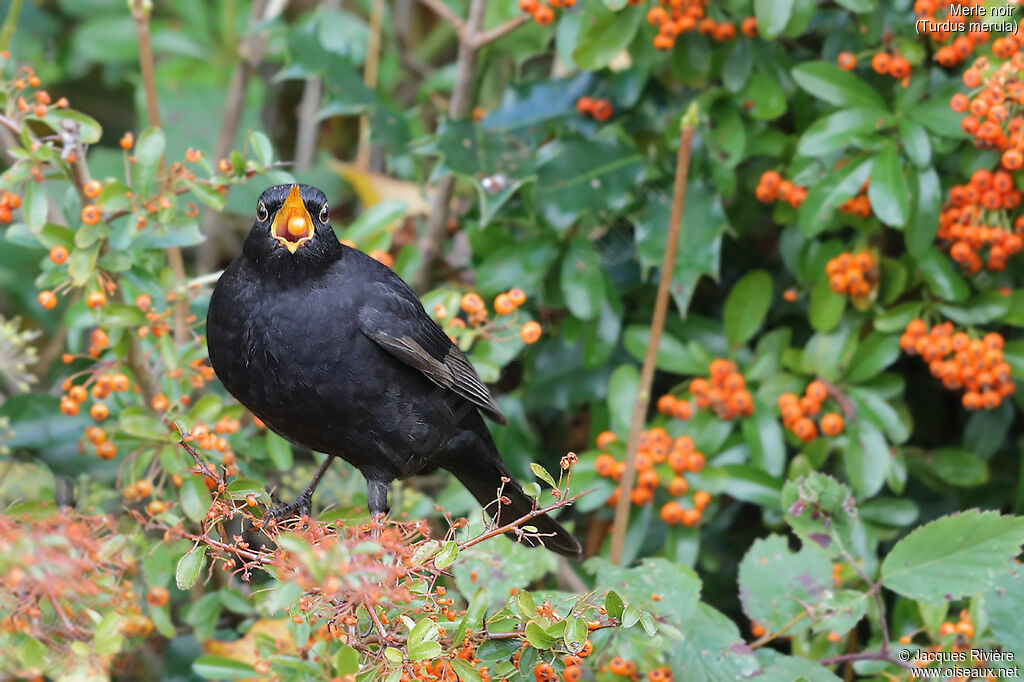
419	342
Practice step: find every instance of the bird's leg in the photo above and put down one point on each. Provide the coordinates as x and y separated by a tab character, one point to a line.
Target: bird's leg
377	501
304	502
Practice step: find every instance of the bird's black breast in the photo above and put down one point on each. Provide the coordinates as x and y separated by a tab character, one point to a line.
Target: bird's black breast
294	355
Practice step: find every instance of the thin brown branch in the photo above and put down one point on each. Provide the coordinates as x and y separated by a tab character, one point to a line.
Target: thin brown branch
140	13
441	9
381	631
500	30
251	50
370	79
643	396
532	514
843	400
204	469
769	636
459	107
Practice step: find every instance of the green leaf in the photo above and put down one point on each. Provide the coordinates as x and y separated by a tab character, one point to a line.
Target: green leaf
448	554
828	82
207	195
542	473
346	661
876	352
775	583
604	35
984	308
914	140
711	649
613	604
148	152
622	388
526	605
424	631
373	222
833	132
575	634
189	565
195	498
107	638
82	264
746	306
821	511
1003	605
941	276
765	439
474	614
678	586
824	197
394	655
826	306
888	191
673	356
122	315
866	459
261	147
840	611
953	556
465	670
279	450
958	467
538	637
33	206
220	668
582	279
772	16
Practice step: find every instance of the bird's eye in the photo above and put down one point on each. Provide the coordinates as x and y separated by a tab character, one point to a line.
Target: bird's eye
324	214
261	211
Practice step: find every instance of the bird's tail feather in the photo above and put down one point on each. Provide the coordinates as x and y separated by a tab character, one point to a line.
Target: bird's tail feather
483	477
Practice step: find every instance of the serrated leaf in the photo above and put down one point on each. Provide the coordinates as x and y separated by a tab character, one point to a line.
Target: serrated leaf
953	556
775	583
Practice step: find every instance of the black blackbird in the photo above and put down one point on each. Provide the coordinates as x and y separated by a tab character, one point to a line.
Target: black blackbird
334	352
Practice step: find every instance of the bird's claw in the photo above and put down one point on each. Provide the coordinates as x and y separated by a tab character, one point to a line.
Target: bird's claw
300	507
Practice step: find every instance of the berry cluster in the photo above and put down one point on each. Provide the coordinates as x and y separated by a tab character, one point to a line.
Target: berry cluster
724	391
962	363
600	109
8	202
773	188
858	205
472	304
545	672
797	412
895	65
542	13
673	18
971	243
960	47
658	452
855	274
988	113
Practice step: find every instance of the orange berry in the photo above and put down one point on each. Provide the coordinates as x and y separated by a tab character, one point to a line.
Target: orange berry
544	15
666	404
92	189
472	303
127	141
832	424
99	412
584	105
881	62
78	394
749	27
96	299
503	305
695	461
106	450
805	430
817	391
517	296
701	499
847	61
68	407
605	438
678	486
47	299
602	110
157	596
59	255
683	410
91	214
160	402
691	517
530	332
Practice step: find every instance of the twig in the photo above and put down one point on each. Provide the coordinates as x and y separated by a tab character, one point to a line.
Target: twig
843	400
532	514
251	55
863	656
370	79
500	30
441	9
10	23
204	469
458	107
643	397
376	620
769	636
140	12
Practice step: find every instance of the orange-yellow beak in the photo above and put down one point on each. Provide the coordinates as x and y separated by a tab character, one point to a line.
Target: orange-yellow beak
292	225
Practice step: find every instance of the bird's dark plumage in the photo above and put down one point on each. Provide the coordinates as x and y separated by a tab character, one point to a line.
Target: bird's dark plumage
333	351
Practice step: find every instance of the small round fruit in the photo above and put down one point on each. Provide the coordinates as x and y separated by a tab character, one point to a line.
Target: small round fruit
530	332
832	424
47	299
59	255
96	299
92	189
157	596
503	305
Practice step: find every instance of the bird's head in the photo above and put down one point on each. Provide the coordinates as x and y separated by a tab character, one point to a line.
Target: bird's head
292	226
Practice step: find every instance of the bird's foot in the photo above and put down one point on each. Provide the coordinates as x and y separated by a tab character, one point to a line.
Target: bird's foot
302	506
